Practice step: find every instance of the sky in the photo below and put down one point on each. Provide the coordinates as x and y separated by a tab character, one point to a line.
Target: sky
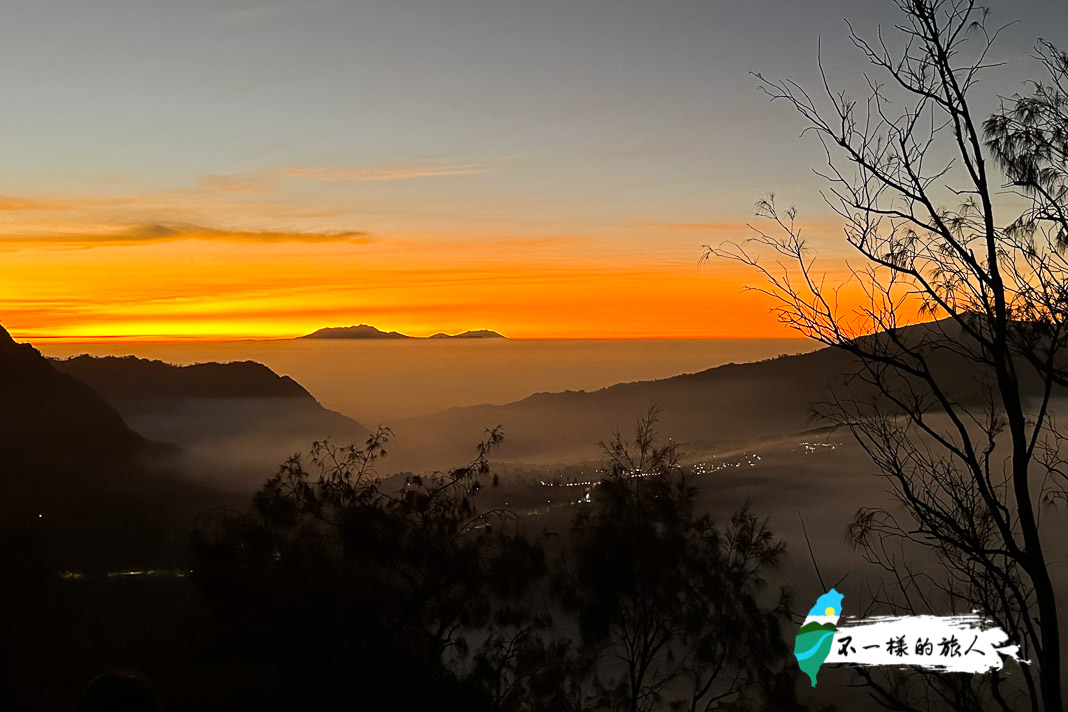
547	169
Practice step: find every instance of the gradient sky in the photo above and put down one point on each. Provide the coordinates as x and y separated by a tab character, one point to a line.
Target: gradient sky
547	168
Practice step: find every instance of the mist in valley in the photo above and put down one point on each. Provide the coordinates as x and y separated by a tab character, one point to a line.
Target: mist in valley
357	520
382	381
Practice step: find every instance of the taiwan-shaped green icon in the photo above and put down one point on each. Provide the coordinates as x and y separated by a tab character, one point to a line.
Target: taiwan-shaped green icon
814	640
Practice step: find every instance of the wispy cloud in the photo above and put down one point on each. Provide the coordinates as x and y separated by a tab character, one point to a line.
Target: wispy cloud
170	232
377	174
11	203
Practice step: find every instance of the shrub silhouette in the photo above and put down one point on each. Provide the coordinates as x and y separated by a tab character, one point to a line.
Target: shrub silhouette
674	598
340	590
338	593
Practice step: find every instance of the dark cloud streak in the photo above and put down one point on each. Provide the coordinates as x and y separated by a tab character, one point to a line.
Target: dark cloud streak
157	232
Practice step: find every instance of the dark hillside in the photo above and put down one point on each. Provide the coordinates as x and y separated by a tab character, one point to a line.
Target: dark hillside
725	407
236	422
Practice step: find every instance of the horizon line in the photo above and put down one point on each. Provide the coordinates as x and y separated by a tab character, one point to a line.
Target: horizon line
153	339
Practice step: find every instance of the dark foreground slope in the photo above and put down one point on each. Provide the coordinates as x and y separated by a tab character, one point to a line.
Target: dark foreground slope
76	480
235	422
94	539
36	399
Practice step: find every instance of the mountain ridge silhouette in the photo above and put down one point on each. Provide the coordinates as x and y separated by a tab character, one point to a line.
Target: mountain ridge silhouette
728	406
366	331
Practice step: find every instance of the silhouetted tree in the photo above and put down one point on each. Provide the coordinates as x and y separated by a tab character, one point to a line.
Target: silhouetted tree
112	692
529	664
670	601
1029	139
338	592
955	413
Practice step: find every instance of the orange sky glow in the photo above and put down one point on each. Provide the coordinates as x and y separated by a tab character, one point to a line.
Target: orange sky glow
264	169
191	292
88	280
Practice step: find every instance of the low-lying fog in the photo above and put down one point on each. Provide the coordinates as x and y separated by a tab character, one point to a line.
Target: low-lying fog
383	381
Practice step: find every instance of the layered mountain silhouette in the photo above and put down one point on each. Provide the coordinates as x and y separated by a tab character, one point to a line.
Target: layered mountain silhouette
235	422
366	331
78	486
727	407
129	379
40	405
363	331
474	334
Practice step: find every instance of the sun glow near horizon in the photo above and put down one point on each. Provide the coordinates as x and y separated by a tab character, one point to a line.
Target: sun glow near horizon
179	282
219	172
521	304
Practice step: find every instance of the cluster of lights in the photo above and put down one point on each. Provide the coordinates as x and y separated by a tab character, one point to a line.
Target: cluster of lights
78	575
585	483
744	460
810	448
700	468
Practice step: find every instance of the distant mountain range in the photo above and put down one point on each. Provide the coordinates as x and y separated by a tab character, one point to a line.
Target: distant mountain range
730	406
366	331
475	334
128	379
235	422
721	408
